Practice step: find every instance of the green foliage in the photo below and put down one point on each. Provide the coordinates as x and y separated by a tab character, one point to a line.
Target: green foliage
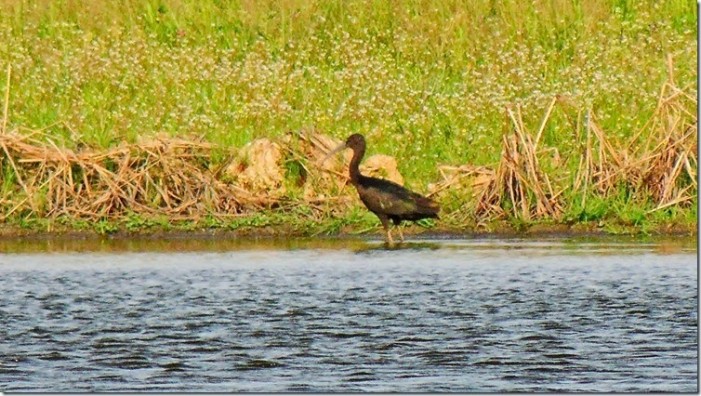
423	78
595	208
105	227
136	222
518	223
426	223
31	223
213	222
259	219
9	180
295	173
426	82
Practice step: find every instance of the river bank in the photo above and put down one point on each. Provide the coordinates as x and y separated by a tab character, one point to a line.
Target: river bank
285	231
179	118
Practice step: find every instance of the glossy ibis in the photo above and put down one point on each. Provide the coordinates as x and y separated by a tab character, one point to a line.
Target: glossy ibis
386	199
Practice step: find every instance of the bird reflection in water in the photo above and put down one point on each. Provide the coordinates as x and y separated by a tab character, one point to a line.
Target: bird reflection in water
405	246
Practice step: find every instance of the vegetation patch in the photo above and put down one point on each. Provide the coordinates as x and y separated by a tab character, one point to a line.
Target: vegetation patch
181	115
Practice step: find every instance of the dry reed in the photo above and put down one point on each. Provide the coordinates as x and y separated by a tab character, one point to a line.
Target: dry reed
174	177
661	167
161	176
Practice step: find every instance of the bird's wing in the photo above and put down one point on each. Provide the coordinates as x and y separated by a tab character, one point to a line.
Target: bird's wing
389	198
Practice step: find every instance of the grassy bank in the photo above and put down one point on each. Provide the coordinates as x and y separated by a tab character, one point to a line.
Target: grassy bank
561	113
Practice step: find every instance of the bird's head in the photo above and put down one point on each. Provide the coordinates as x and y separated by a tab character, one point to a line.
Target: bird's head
354	142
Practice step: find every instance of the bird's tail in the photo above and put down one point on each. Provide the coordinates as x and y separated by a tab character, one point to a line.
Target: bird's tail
428	207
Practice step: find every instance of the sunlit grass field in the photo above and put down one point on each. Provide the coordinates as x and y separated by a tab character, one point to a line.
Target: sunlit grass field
425	81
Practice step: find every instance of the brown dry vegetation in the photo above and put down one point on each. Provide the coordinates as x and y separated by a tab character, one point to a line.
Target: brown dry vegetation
170	176
661	169
175	177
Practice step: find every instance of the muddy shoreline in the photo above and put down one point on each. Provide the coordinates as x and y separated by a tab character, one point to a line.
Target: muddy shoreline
274	239
282	232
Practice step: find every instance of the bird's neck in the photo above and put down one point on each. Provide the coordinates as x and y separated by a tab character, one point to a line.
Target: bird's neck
354	168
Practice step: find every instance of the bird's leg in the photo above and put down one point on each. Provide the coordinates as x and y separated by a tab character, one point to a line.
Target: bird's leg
398	225
401	233
389	237
385	224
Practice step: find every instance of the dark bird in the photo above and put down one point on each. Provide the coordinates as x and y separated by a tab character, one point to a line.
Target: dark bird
386	199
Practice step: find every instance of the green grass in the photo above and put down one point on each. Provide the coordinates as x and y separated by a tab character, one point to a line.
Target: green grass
425	81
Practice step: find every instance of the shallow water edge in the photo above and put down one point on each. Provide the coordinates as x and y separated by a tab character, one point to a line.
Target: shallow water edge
207	241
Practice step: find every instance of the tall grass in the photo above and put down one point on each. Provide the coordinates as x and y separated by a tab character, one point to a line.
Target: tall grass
425	81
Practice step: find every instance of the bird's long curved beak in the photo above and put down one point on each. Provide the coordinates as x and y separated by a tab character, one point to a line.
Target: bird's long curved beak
333	152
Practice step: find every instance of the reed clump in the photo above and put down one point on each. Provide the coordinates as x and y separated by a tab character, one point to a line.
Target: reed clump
163	175
166	176
654	169
657	164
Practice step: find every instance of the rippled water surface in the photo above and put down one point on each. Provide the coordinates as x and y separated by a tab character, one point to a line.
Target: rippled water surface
455	315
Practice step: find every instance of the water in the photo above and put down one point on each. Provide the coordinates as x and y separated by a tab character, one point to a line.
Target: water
455	315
